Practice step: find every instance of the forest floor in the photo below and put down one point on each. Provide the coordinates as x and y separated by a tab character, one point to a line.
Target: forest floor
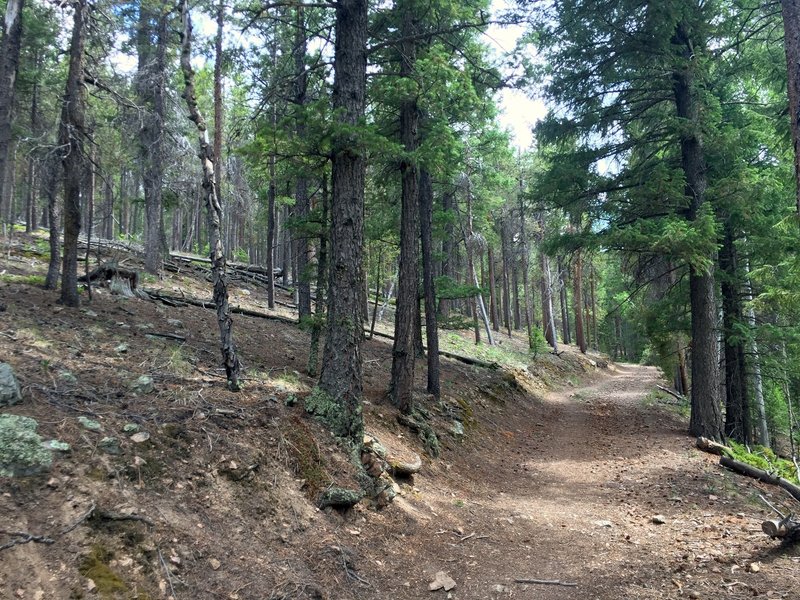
571	468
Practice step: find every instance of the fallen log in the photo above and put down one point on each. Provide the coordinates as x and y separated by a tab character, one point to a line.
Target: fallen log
672	393
166	299
761	475
712	447
465	359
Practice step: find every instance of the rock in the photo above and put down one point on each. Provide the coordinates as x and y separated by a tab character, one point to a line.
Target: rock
603	523
89	424
754	567
458	429
140	438
215	564
658	519
130	428
338	497
57	445
67	377
500	589
53	483
442	581
176	323
143	385
121	349
10	393
89	313
110	445
21	450
91	585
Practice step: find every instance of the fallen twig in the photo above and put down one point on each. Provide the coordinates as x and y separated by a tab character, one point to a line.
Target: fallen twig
166	570
23	537
547	582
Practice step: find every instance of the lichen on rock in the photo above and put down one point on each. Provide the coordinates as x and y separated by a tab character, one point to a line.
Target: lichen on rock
21	450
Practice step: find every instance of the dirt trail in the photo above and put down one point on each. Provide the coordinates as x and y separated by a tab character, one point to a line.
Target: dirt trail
567	490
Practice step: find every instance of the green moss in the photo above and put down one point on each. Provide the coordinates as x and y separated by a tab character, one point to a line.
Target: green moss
467	414
336	416
765	459
95	567
37	280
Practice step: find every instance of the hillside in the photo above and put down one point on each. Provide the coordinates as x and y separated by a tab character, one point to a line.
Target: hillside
568	469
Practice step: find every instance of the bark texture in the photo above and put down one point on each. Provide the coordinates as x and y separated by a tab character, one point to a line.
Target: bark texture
791	31
71	134
341	376
431	325
213	207
705	419
403	351
9	64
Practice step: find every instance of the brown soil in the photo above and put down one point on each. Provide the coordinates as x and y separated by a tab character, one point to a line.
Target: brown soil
553	481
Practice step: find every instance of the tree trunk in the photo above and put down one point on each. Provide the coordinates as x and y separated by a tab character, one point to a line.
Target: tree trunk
526	290
448	251
478	305
504	243
577	300
791	40
429	289
593	303
150	85
705	419
301	184
53	221
213	204
564	303
403	354
9	64
71	140
341	378
218	105
322	270
493	292
737	405
762	430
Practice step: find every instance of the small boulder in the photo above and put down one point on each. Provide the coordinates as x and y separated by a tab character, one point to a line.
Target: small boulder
176	323
140	438
659	519
10	393
442	581
143	385
110	445
130	428
89	424
21	450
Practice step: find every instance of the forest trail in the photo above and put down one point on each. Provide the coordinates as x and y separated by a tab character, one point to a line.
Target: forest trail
569	492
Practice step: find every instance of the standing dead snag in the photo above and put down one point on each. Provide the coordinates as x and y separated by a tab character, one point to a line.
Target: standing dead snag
213	207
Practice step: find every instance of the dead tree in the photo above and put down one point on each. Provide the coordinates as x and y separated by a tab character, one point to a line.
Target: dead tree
213	207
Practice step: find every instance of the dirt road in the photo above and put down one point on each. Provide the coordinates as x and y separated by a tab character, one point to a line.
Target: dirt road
599	487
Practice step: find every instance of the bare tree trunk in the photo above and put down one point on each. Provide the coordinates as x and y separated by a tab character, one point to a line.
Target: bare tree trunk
213	206
525	265
9	64
341	378
479	306
218	106
71	133
448	250
592	285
